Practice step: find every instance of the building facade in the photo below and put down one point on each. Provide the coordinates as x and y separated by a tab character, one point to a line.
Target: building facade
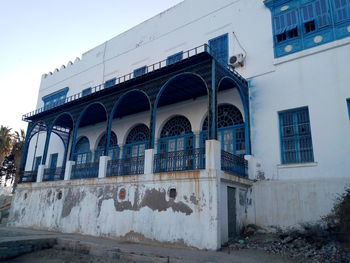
207	117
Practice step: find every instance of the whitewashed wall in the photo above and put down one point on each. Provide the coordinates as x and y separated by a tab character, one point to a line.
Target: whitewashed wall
320	82
168	33
316	78
94	207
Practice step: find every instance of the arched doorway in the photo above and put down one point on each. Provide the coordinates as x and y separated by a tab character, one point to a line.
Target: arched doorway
136	141
113	151
176	135
231	130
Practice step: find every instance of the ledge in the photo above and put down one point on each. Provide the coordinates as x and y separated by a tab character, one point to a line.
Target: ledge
296	165
311	51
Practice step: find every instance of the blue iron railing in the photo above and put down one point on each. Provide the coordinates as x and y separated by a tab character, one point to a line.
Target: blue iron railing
234	164
54	174
156	66
85	170
126	166
190	159
28	176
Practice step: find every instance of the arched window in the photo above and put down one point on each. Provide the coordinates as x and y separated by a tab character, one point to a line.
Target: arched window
230	129
176	135
136	141
113	149
82	151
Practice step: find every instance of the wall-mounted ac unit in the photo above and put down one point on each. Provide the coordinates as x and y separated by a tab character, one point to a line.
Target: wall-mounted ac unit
237	60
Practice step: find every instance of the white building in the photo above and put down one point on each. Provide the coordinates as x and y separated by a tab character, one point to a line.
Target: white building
282	105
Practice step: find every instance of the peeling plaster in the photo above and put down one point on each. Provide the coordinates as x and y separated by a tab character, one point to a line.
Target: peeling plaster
152	198
71	200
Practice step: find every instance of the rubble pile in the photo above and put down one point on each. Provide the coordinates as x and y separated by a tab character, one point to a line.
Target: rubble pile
309	245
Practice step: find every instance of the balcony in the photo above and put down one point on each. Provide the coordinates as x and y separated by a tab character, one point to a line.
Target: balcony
234	164
150	71
53	174
178	161
28	176
85	170
126	166
190	159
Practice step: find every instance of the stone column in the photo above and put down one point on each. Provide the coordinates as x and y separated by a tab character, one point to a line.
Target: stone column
102	169
212	155
68	170
149	161
40	174
197	142
251	166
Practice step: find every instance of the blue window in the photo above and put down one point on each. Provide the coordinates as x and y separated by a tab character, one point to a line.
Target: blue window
348	102
230	129
82	151
55	99
286	26
342	10
140	71
174	58
315	16
176	135
136	141
37	162
86	92
302	24
113	147
219	48
295	135
53	160
110	83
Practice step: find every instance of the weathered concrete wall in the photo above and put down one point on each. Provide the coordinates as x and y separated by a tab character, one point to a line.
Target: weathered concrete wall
97	207
243	187
289	203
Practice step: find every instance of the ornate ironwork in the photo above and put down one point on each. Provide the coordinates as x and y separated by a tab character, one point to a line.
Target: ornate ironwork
126	166
100	150
228	115
85	170
54	174
191	159
177	125
28	176
234	164
119	80
139	133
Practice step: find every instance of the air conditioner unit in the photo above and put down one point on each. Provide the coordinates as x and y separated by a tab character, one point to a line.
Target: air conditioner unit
237	60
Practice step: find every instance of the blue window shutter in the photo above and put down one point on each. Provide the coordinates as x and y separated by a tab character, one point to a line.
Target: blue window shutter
322	13
140	71
291	20
55	99
53	160
37	163
174	58
341	12
86	92
308	13
295	135
110	83
219	48
348	102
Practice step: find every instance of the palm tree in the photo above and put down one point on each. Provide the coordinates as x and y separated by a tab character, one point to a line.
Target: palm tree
5	142
17	148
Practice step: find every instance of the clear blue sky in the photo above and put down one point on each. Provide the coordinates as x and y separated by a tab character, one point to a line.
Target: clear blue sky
38	36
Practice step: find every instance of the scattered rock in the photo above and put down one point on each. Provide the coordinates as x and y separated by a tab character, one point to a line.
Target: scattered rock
308	245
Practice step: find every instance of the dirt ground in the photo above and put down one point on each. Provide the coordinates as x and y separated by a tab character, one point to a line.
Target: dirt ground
59	256
75	248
